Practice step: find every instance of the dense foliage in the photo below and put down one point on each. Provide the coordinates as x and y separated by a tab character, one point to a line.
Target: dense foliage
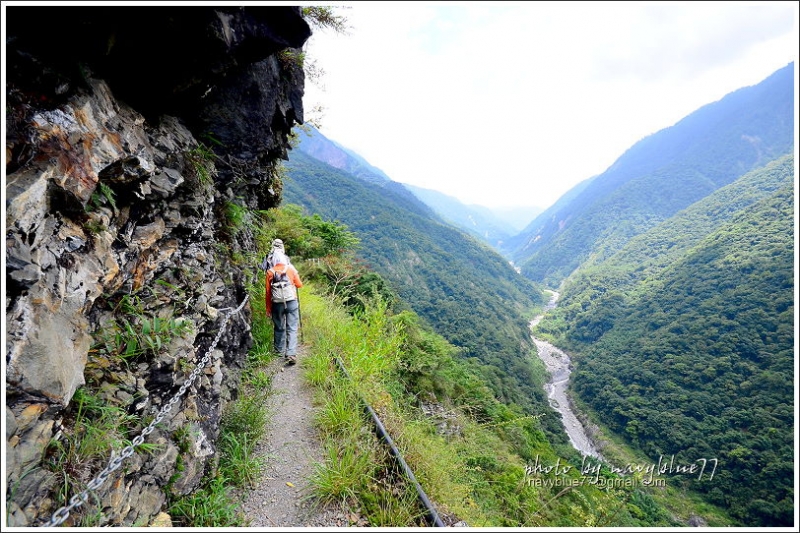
470	295
677	307
684	341
474	455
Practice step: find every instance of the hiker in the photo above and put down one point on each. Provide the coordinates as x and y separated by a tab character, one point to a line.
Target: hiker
269	261
282	282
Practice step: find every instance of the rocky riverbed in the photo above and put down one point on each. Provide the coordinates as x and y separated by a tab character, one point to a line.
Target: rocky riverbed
558	364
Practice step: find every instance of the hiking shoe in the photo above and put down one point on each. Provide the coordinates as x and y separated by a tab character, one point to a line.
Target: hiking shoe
291	359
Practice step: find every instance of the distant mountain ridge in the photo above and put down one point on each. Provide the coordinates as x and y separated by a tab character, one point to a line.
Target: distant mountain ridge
314	143
482	222
660	175
523	239
492	226
466	290
518	217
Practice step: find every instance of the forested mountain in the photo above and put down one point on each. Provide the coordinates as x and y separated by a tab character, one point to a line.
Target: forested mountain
678	298
523	239
314	143
492	226
475	220
690	326
660	175
467	292
518	217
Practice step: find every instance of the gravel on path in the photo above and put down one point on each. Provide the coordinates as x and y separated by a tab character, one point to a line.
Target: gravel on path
290	448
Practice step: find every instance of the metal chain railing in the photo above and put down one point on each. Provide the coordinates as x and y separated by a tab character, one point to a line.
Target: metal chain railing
115	462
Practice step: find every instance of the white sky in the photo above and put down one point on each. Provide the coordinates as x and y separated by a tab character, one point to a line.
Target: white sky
504	104
514	103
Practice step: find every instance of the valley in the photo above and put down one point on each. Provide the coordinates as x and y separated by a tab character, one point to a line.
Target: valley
559	365
676	261
642	325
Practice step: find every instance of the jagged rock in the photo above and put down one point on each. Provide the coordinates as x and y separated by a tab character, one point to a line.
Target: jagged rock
697	521
146	236
23	450
166	181
446	421
104	198
33	487
11	424
199	448
161	520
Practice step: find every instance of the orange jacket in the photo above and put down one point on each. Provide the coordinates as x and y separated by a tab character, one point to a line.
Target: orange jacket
291	273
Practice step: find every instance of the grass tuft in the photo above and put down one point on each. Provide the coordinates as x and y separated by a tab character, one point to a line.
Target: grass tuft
344	474
213	506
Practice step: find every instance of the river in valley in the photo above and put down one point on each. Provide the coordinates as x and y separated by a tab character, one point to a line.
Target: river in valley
558	365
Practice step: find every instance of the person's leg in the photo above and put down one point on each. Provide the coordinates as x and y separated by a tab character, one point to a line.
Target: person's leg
292	321
279	328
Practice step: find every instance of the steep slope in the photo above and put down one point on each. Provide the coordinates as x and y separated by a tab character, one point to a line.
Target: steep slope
532	233
478	221
517	217
312	142
661	175
467	291
647	256
119	258
702	306
475	220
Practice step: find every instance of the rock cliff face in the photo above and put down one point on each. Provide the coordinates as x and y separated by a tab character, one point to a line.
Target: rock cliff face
125	143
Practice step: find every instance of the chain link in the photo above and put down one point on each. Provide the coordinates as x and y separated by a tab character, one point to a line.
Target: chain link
116	461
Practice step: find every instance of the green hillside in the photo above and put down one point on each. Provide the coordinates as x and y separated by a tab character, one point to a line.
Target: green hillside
659	176
677	303
465	290
478	221
691	328
586	295
480	462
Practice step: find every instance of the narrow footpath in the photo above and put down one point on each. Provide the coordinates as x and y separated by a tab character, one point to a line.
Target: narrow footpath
290	449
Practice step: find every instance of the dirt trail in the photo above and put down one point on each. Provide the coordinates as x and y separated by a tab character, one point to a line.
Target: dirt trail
290	448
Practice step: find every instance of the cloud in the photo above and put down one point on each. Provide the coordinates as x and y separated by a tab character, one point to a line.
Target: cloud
510	103
665	40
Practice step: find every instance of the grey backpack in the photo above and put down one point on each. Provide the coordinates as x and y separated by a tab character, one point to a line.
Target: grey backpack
282	288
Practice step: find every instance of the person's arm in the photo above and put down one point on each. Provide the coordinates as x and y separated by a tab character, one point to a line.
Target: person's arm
295	277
